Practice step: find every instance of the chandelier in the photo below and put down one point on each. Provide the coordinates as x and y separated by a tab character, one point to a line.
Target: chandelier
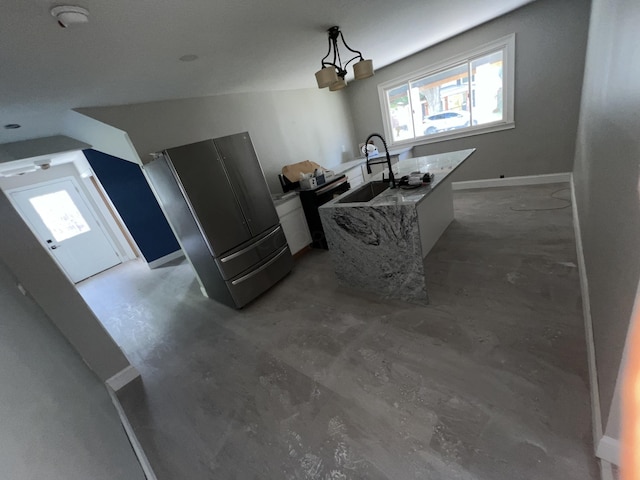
333	72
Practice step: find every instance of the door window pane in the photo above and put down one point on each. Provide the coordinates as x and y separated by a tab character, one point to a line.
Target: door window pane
60	215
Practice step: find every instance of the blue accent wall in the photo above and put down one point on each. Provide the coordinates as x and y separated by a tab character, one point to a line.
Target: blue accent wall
130	193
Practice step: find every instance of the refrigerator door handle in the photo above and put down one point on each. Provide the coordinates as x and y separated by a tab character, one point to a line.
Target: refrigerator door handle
250	247
246	277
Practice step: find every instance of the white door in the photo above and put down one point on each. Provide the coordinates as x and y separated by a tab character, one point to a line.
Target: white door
64	222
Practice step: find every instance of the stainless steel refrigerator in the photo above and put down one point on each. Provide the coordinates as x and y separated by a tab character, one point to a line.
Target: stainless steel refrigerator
217	201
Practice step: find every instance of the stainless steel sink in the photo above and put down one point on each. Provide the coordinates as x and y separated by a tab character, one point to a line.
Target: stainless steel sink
365	193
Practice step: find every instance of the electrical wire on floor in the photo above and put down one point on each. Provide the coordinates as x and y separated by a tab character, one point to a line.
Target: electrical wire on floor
552	195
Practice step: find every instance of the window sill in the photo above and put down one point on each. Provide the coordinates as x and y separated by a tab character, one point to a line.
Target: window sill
454	135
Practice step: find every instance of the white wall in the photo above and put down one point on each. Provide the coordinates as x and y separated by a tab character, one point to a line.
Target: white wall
606	175
550	47
57	420
37	147
285	127
32	266
101	137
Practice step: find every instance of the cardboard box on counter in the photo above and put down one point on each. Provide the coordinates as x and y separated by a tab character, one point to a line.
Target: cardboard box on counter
293	171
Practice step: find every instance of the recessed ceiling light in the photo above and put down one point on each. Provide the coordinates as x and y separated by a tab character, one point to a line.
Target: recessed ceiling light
12	126
188	58
70	15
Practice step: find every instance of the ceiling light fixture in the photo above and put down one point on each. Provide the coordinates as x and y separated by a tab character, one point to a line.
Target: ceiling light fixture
70	15
188	58
44	164
333	72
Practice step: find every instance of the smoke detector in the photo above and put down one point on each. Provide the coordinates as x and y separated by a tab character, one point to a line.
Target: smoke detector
70	15
43	164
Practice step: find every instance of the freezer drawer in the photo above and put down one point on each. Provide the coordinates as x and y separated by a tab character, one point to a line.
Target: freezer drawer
248	286
242	258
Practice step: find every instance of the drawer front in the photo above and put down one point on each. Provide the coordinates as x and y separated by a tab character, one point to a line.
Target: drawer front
356	180
236	261
355	176
248	286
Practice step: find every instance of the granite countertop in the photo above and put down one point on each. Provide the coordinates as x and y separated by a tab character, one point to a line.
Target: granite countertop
441	165
343	167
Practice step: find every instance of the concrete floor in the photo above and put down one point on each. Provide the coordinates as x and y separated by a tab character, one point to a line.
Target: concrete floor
317	381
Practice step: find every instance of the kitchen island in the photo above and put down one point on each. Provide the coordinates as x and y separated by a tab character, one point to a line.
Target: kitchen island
356	170
379	245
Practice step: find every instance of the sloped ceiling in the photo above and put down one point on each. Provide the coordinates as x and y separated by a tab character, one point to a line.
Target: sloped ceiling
129	51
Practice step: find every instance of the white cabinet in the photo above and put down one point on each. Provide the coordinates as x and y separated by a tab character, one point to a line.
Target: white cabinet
294	223
355	176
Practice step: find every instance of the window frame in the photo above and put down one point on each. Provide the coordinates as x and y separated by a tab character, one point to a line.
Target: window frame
506	44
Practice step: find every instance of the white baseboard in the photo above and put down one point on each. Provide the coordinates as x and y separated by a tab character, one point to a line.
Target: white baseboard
596	412
122	378
133	439
166	259
513	181
609	449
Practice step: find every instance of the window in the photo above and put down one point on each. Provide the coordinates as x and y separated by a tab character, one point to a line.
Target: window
466	95
60	215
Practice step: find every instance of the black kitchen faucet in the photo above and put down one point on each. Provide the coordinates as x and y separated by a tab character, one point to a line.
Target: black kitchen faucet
387	161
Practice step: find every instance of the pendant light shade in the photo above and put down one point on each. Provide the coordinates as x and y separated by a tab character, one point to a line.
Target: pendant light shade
333	72
363	69
326	76
338	85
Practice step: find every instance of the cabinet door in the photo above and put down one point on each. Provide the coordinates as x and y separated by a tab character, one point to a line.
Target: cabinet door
294	224
247	178
206	187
